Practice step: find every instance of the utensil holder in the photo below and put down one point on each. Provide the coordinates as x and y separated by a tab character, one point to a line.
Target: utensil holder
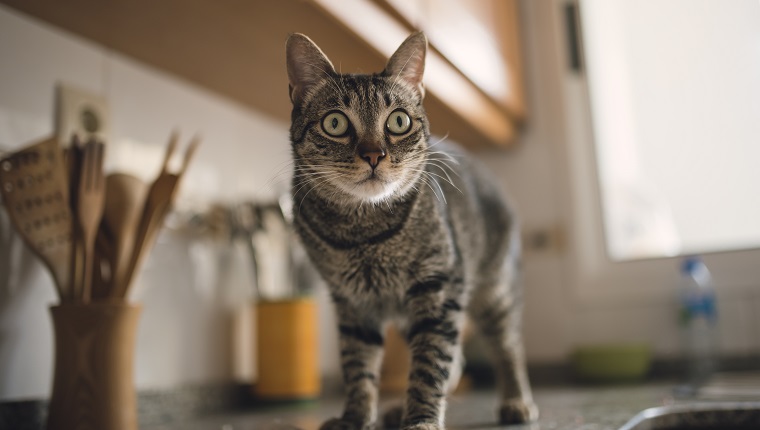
287	350
93	385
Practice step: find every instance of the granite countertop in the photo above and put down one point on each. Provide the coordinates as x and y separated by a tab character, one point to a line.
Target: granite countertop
598	408
731	398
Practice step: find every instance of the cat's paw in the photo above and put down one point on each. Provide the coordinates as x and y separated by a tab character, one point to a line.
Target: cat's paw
340	424
517	412
392	417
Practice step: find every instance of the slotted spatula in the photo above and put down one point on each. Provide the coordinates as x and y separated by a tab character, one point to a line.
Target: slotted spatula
34	187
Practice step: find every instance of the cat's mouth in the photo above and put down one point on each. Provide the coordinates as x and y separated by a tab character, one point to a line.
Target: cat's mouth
372	177
372	186
373	183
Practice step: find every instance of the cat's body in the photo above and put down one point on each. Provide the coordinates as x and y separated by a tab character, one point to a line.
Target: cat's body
403	232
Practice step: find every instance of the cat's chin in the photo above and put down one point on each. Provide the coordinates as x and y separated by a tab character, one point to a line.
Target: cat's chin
372	190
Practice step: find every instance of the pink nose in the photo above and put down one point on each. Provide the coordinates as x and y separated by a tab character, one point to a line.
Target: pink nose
373	158
371	153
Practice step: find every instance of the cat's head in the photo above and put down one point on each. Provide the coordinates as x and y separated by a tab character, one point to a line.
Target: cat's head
357	138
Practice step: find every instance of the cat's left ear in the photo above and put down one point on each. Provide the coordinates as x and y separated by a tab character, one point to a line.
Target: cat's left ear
408	62
307	66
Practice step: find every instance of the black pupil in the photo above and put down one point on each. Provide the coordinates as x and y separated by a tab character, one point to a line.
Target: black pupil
334	123
399	121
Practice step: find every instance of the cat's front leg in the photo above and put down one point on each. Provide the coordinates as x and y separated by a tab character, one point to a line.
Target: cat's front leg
434	342
361	347
497	312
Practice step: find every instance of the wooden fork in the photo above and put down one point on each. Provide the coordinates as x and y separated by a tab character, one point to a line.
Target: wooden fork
89	209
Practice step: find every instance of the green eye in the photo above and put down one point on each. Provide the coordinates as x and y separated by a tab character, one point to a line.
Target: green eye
335	124
399	122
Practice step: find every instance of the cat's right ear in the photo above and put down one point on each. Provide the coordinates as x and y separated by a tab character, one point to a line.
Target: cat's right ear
408	62
307	66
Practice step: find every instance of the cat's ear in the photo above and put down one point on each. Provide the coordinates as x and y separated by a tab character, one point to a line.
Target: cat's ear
408	62
307	66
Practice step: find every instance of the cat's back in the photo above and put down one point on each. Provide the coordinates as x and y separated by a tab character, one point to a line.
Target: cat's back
478	209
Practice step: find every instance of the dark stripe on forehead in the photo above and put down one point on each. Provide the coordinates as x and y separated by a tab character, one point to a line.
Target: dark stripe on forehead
365	91
368	105
379	96
350	84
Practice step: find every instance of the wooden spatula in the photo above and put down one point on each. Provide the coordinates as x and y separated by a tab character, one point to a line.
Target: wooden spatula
89	210
158	201
34	186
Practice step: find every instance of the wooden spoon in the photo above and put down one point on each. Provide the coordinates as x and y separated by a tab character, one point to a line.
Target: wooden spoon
125	199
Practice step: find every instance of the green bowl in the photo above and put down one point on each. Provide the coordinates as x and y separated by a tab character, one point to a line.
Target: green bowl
612	363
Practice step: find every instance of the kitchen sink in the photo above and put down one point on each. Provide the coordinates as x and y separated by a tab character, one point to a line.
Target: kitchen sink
698	416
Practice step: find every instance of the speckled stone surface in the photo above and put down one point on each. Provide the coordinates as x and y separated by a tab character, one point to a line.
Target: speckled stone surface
587	408
562	408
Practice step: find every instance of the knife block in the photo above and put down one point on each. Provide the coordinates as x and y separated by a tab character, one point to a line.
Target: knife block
287	350
93	385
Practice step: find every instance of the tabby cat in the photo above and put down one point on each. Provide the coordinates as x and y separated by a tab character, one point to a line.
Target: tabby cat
402	231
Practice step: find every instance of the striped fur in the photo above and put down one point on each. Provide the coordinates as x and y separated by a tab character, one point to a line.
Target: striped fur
420	239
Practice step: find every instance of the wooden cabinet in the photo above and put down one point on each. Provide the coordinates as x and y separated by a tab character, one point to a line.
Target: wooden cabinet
480	38
236	48
474	70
